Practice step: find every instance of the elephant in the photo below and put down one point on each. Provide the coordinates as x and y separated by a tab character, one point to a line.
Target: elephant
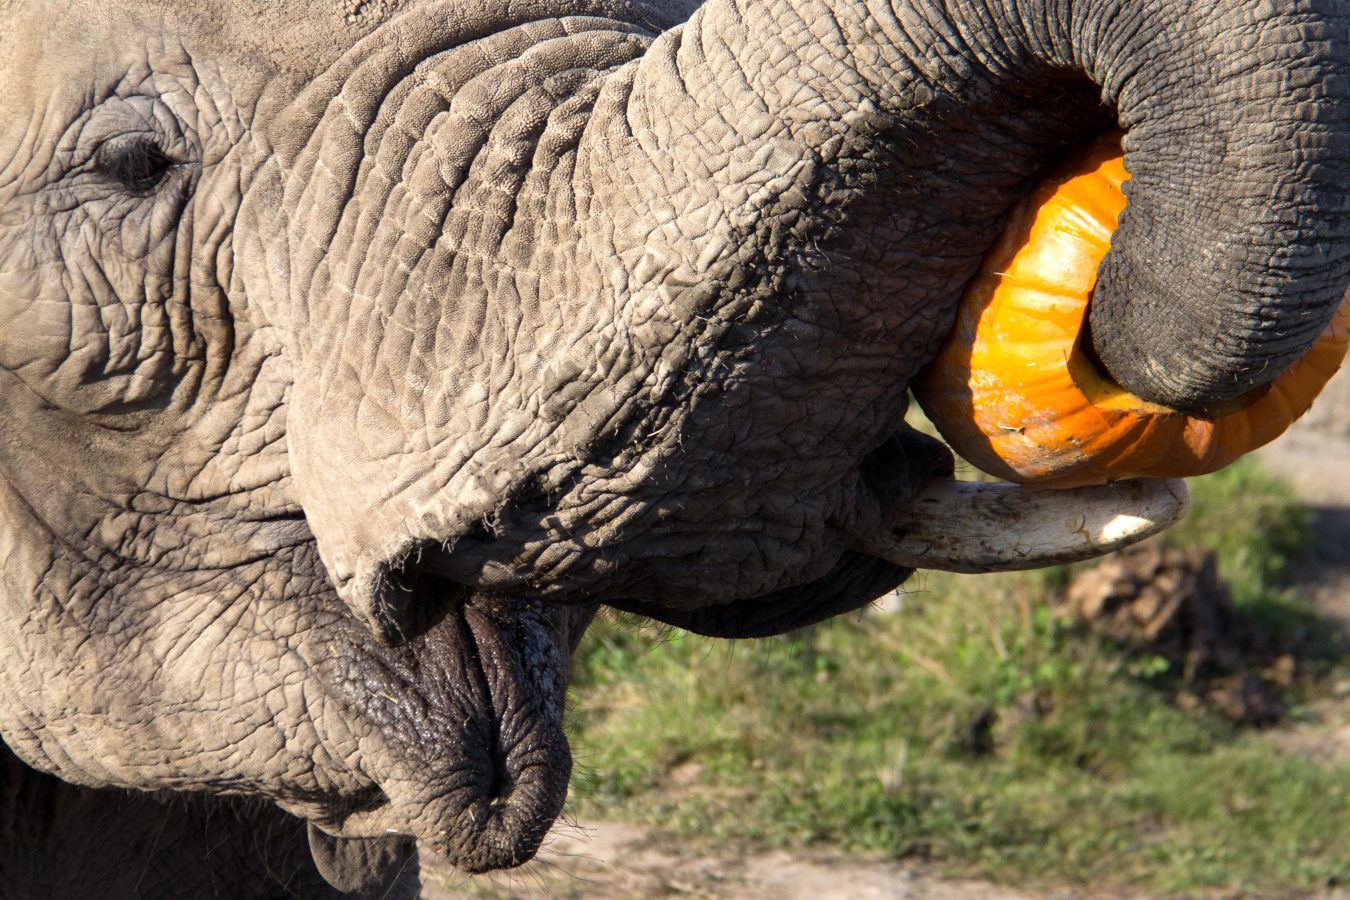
355	353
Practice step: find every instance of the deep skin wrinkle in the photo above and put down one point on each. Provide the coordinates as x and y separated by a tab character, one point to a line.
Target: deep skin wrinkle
354	355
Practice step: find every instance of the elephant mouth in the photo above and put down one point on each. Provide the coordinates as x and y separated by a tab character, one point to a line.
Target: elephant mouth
458	730
461	731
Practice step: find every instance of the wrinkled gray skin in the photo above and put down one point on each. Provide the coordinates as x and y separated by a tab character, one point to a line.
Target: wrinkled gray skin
353	353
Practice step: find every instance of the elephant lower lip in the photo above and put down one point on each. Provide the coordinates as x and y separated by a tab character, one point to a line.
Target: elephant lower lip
460	729
478	833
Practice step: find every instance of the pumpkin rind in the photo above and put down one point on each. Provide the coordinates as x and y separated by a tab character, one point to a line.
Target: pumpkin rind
1013	392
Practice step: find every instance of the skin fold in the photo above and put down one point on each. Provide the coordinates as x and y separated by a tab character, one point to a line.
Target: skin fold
355	353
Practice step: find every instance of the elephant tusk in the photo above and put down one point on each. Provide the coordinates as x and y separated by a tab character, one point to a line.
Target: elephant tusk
973	527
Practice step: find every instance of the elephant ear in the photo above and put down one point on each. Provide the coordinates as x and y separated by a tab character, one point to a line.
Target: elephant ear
383	868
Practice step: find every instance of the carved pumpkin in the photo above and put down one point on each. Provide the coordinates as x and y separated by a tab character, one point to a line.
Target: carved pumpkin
1014	392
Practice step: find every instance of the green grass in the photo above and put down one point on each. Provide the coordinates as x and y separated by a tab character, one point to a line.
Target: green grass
850	734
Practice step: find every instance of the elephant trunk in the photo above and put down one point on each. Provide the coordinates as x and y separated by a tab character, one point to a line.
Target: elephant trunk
895	133
1231	256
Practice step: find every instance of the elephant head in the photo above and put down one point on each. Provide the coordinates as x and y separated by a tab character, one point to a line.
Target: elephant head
354	353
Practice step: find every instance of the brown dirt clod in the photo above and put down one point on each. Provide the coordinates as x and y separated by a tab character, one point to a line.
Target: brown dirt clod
1171	602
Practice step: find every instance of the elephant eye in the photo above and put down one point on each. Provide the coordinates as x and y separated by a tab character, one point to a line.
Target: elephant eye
136	162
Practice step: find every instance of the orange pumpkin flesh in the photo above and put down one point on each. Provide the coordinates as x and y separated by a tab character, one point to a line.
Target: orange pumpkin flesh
1015	394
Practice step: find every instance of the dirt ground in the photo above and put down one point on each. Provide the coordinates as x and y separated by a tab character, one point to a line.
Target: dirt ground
613	861
617	861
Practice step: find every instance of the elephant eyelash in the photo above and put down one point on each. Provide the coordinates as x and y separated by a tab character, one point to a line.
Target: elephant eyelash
137	163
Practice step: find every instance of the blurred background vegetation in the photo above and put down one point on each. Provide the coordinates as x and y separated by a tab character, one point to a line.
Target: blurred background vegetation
985	726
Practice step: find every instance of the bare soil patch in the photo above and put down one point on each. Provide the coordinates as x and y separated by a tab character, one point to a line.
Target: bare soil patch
617	861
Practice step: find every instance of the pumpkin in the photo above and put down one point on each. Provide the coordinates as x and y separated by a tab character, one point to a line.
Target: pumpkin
1014	392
